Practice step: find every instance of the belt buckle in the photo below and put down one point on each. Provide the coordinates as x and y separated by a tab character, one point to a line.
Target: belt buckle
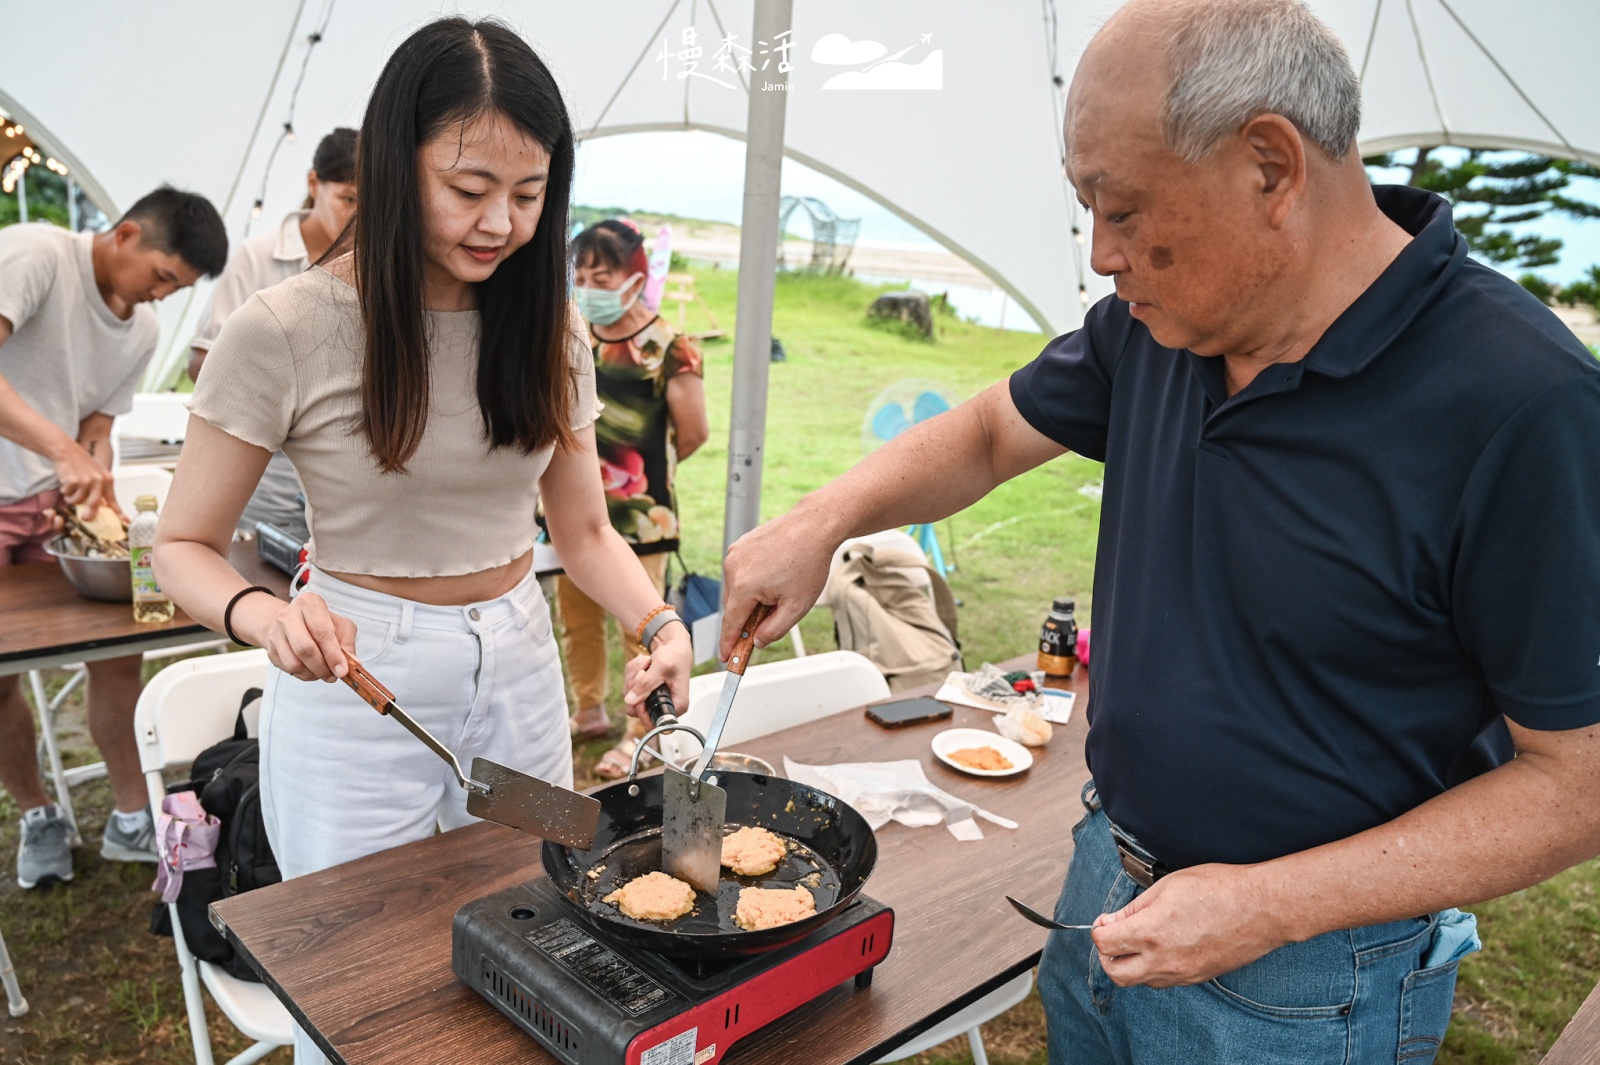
1141	870
1136	861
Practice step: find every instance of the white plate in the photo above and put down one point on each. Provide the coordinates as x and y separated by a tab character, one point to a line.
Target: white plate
956	739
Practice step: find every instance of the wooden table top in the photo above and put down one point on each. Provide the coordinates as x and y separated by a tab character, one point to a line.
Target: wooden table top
46	618
1580	1040
361	952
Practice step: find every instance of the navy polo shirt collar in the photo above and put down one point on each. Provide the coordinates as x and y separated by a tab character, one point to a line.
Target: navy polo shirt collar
1390	304
1381	313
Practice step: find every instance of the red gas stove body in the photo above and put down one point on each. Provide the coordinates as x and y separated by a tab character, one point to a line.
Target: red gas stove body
592	1002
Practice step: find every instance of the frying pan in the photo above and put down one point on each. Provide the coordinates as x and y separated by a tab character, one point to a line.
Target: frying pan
836	852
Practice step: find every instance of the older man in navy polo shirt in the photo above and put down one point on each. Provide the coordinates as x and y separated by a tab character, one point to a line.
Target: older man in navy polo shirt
1349	558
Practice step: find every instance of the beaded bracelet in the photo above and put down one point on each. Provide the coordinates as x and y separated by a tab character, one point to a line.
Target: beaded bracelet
638	633
227	612
652	630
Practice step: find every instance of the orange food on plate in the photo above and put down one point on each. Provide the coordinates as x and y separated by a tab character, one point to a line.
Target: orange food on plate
980	758
653	897
752	851
770	907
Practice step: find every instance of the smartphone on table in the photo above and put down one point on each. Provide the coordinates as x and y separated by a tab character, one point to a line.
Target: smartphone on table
903	712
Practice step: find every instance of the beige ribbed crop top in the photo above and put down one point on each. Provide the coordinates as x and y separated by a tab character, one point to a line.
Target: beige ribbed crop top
285	374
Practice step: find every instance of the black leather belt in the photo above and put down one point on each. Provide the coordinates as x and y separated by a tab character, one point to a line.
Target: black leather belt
1137	862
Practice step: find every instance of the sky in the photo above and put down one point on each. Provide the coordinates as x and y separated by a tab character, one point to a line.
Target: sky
701	175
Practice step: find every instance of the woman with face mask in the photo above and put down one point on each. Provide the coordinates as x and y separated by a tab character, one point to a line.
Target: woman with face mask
430	386
648	376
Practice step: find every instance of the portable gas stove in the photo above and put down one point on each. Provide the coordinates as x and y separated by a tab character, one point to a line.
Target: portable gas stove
592	1002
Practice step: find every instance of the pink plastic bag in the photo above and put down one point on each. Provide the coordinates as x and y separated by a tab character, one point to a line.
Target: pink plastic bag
186	838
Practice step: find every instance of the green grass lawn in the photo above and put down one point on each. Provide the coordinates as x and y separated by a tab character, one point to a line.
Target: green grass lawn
104	990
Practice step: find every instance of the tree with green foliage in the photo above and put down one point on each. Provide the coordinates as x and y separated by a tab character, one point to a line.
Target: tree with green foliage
47	199
1492	191
1585	291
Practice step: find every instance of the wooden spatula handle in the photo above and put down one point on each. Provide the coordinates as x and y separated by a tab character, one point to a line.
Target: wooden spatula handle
746	643
367	686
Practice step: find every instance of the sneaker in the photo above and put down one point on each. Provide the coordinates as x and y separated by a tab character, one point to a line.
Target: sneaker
46	850
137	845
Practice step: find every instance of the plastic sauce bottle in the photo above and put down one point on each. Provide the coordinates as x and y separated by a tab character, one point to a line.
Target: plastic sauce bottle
1058	641
150	603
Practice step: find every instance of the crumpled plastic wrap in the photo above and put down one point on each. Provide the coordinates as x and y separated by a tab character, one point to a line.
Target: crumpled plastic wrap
988	683
894	791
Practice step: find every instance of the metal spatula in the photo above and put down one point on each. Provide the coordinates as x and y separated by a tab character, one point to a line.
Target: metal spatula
694	810
494	792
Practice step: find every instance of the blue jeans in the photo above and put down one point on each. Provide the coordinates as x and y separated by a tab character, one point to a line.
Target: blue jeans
1352	997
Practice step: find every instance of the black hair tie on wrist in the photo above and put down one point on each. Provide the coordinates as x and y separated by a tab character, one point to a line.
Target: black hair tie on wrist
227	612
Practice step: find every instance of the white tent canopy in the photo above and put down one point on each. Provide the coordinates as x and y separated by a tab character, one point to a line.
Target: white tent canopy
197	93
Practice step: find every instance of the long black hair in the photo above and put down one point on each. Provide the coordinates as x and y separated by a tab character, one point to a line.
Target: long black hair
453	71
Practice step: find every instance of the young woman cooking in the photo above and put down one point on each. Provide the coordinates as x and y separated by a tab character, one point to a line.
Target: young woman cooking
428	387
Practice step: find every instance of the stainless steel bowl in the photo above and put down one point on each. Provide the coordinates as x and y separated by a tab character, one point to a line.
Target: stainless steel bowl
107	579
734	762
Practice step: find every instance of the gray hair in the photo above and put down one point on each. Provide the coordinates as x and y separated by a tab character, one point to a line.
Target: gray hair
1235	60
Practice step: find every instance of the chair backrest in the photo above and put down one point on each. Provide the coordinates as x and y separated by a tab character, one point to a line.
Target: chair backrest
192	704
889	540
780	695
135	481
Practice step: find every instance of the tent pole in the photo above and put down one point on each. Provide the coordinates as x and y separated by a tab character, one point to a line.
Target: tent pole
22	195
72	205
758	255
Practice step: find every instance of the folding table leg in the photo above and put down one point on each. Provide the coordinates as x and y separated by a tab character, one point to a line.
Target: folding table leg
47	736
8	976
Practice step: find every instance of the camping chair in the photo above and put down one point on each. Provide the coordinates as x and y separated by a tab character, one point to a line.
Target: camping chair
889	540
183	710
967	1021
131	482
779	695
8	976
683	294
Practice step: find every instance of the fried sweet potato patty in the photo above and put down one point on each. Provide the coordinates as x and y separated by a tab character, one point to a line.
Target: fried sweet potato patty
752	851
770	907
653	897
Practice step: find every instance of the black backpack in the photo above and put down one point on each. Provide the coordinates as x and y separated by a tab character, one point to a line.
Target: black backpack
227	782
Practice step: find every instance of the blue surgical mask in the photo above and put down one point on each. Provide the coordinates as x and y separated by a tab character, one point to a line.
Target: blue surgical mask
602	306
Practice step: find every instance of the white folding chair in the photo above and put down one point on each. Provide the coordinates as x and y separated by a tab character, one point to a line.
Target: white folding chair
8	976
183	710
778	695
967	1021
131	483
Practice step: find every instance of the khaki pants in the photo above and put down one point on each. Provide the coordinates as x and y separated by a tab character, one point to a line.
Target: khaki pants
584	637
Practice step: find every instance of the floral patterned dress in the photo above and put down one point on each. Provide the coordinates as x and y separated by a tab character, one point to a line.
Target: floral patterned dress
634	434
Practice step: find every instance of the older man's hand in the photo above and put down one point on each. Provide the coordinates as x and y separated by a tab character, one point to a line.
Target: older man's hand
783	563
1190	926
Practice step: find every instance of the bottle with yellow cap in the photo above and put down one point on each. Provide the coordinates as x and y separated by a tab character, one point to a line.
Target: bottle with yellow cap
150	603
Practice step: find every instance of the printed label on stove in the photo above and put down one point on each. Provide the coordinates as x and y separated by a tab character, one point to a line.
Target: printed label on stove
679	1050
604	970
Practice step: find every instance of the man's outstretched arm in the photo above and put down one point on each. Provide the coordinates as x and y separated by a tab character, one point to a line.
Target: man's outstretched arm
926	473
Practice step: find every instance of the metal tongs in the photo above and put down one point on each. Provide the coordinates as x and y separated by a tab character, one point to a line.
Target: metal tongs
694	808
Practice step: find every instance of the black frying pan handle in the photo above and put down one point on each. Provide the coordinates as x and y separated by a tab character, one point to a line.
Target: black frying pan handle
659	705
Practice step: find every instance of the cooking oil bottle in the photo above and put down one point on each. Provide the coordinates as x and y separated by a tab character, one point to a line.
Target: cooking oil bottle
150	603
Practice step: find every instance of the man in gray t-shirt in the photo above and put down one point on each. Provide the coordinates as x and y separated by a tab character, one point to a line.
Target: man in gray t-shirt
74	339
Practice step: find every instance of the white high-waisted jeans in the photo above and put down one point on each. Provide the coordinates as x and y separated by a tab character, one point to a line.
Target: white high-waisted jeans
339	781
